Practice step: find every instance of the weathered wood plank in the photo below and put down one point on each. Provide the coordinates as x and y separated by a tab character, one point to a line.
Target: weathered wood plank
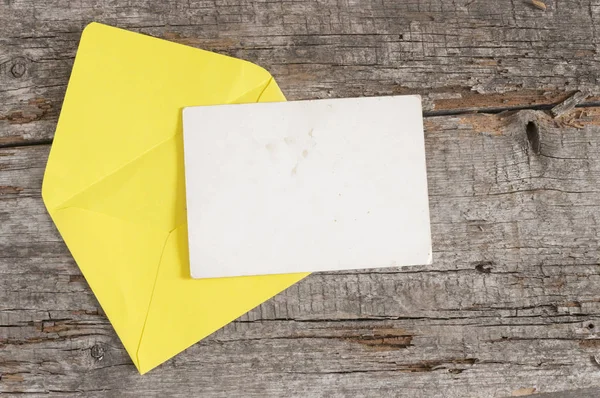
510	305
459	55
582	393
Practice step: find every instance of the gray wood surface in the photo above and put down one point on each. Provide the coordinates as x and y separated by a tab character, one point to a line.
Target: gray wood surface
511	305
582	393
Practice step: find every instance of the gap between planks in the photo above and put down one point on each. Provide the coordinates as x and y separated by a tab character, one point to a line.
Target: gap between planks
426	114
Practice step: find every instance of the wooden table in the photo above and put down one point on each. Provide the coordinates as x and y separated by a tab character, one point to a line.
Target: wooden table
511	304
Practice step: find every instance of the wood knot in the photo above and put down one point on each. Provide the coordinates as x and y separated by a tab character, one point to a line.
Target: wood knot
485	267
533	136
18	69
97	352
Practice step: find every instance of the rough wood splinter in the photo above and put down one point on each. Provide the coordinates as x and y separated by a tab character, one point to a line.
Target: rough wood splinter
539	4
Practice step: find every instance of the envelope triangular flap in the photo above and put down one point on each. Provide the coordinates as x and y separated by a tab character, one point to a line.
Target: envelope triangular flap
125	96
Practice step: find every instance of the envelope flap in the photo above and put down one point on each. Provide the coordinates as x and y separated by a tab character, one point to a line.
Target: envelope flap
125	96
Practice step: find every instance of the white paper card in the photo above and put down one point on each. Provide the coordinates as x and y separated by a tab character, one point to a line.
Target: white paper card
306	186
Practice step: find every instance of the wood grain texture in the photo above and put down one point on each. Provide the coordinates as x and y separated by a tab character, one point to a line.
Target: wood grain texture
511	305
461	54
581	393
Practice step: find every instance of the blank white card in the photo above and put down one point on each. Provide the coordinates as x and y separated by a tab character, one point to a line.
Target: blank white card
306	186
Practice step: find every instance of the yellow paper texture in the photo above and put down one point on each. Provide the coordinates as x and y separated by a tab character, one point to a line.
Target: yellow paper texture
114	186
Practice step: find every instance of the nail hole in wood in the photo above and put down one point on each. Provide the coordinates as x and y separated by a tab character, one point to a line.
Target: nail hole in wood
590	326
97	352
533	136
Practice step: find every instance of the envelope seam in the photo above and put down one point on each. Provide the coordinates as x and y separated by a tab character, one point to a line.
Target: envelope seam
62	204
252	89
264	89
113	217
137	351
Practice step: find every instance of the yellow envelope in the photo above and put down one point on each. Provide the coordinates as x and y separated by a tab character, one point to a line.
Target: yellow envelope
114	187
